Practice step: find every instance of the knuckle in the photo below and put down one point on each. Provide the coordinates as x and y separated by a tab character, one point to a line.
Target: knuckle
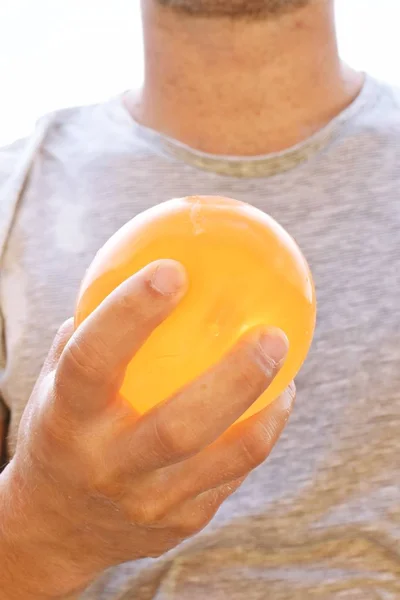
147	513
50	436
55	427
106	484
63	334
256	446
173	437
86	359
66	329
53	432
194	523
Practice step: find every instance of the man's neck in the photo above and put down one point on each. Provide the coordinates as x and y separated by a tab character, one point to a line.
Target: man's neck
242	87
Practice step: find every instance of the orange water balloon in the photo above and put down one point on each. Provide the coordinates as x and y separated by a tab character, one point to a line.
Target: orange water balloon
244	271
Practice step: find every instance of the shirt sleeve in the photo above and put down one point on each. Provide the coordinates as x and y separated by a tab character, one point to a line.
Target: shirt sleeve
10	156
15	164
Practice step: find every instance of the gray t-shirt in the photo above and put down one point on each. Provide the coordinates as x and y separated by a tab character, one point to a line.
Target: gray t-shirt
321	519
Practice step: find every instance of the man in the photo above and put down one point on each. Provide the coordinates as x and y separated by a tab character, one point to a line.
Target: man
246	98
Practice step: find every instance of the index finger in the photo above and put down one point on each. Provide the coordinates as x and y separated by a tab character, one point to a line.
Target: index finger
92	365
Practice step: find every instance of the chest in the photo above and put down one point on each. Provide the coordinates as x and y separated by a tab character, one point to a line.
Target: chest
350	237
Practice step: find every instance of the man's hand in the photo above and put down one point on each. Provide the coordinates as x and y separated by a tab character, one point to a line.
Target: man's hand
93	485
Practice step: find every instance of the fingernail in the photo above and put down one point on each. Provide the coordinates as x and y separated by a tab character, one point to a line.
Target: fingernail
168	278
274	345
287	399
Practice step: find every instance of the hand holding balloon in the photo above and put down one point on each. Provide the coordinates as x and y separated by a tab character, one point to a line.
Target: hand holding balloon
244	272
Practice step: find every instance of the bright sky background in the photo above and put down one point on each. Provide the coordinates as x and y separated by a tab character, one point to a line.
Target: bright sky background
55	53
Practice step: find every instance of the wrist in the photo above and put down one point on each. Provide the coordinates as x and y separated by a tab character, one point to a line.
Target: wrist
31	564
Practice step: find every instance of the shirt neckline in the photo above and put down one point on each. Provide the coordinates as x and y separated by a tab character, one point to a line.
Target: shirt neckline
265	165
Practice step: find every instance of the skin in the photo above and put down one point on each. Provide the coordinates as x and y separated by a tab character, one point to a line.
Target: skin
241	86
91	485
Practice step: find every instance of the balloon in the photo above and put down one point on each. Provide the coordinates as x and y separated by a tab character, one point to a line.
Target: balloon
244	271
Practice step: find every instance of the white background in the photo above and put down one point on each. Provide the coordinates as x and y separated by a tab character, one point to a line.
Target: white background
55	53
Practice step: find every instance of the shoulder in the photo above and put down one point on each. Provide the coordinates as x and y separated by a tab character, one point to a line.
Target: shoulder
370	138
64	145
61	133
19	159
9	157
63	127
381	114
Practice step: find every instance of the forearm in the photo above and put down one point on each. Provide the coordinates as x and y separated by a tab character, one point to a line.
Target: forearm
29	565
